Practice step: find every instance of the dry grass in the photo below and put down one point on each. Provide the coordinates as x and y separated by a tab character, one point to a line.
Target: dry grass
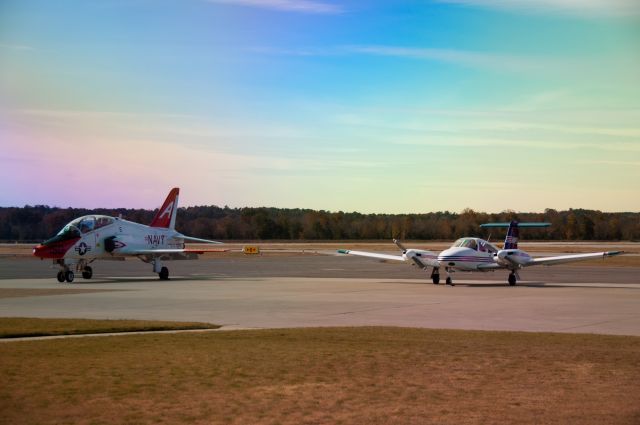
15	327
333	376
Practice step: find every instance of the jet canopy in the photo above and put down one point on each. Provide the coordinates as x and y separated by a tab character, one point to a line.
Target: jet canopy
86	224
80	226
475	244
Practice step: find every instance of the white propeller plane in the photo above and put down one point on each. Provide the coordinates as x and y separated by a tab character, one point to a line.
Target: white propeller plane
100	237
478	255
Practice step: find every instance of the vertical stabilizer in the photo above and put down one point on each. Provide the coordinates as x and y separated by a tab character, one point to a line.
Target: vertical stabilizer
166	216
511	241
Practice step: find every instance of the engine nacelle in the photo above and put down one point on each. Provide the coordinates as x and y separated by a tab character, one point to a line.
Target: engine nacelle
511	257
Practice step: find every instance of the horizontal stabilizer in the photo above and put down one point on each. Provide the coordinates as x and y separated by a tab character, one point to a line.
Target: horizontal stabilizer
517	224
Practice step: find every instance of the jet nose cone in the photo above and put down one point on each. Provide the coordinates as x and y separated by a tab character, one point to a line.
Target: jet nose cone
39	251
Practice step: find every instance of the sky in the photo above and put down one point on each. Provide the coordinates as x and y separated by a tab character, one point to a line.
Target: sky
402	106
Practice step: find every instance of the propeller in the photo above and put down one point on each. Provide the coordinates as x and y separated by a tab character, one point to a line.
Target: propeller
399	244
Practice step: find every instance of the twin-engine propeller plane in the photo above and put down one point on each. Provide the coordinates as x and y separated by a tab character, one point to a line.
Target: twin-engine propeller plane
478	255
100	237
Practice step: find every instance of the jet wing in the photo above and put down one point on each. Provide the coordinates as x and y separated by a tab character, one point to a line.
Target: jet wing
166	251
549	261
372	255
191	239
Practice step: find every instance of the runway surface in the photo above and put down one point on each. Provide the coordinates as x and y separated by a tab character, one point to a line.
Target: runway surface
314	290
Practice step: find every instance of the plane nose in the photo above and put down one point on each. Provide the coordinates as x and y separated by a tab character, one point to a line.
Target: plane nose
45	251
39	251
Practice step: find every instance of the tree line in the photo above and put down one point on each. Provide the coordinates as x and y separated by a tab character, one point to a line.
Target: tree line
36	223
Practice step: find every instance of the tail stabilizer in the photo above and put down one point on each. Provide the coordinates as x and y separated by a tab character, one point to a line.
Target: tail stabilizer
166	216
511	240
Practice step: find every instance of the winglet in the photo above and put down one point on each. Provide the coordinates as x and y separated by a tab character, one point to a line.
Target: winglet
166	216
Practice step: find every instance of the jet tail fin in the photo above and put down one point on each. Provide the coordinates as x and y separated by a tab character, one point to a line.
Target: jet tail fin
166	216
511	241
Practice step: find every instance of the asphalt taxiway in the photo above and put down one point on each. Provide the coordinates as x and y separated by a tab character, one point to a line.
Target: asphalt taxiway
313	290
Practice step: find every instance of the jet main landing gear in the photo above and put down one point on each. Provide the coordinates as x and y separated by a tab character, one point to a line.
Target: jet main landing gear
164	273
87	272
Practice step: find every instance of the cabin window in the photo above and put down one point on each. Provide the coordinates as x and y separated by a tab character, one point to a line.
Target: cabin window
103	222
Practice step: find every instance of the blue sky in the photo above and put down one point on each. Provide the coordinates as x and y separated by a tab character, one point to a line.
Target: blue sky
372	106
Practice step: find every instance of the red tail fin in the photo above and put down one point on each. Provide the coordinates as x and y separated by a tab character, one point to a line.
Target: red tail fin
166	216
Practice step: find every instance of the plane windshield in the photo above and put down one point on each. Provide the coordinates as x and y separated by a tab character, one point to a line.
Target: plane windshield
81	225
103	221
466	243
488	246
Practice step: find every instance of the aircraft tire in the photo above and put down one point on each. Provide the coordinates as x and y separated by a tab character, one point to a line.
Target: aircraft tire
87	273
60	276
449	281
512	279
69	276
436	279
164	274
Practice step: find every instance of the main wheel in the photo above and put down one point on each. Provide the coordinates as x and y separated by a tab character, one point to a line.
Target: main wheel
87	273
164	274
512	279
449	281
60	276
69	276
436	279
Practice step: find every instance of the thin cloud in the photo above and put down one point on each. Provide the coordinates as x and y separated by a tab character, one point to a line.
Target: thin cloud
481	60
583	8
496	62
21	47
300	6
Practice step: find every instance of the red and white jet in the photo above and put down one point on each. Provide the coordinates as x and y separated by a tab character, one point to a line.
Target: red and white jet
100	237
478	255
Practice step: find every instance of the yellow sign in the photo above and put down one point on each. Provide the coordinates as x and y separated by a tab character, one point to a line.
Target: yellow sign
251	250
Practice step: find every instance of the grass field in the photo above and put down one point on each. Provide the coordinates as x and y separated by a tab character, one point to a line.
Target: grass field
330	375
15	327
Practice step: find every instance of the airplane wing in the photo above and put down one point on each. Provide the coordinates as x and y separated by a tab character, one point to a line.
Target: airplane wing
170	251
191	239
549	261
372	255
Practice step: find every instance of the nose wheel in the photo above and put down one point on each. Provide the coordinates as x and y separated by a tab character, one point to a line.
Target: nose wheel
65	276
449	281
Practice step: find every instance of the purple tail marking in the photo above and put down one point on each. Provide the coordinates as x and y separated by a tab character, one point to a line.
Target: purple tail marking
511	241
